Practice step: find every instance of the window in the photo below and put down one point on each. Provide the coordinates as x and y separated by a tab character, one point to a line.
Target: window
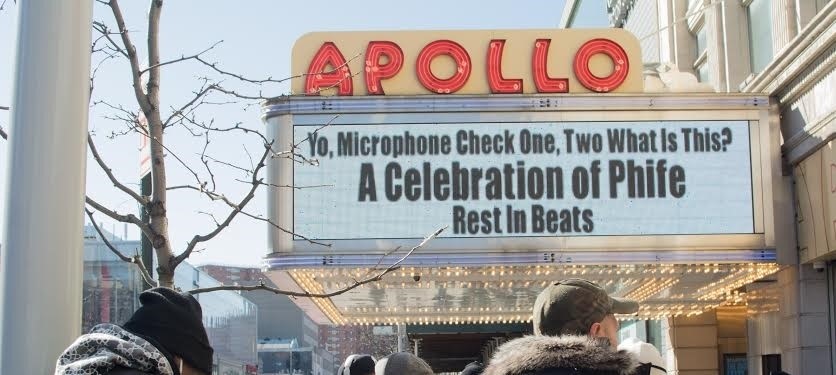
701	63
770	363
735	364
759	14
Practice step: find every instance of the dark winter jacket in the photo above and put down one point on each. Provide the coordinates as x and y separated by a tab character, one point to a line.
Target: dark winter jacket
559	355
110	350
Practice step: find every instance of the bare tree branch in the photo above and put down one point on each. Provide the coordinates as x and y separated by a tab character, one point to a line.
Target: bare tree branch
237	127
129	218
261	286
274	225
250	156
236	209
212	195
198	95
153	87
135	260
233	166
292	153
183	163
315	132
297	187
109	172
211	216
106	33
130	53
181	59
270	79
205	162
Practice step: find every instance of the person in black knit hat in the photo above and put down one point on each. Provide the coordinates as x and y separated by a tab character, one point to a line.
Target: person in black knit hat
164	336
357	364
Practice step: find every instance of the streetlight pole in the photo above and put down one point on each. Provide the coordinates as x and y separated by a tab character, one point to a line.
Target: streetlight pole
41	259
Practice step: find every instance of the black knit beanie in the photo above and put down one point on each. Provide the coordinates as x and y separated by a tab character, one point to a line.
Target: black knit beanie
173	322
357	364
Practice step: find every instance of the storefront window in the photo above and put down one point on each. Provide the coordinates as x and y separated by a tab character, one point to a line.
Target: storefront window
771	364
759	14
735	364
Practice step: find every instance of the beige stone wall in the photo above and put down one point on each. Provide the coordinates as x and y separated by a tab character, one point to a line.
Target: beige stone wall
731	332
694	345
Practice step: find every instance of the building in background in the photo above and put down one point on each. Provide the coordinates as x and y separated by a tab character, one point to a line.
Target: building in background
347	340
284	356
111	286
786	49
111	295
280	321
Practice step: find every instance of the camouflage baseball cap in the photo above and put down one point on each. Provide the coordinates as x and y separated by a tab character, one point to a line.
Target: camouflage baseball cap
570	307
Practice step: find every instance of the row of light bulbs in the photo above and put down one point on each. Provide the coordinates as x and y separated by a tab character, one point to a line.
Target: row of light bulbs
742	278
437	310
738	275
343	277
325	305
651	287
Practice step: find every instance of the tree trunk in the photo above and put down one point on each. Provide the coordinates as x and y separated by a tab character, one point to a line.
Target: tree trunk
158	209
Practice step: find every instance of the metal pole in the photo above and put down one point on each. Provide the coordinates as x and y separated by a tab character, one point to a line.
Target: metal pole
41	261
402	338
147	250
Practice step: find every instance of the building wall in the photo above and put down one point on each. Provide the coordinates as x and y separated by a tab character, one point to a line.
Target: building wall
732	333
642	23
798	74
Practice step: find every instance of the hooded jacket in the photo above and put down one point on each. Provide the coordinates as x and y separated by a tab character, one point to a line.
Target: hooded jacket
560	355
108	350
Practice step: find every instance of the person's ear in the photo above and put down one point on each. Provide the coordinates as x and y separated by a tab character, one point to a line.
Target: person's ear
596	330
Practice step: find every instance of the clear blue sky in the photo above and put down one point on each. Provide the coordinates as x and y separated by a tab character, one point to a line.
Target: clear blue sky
258	36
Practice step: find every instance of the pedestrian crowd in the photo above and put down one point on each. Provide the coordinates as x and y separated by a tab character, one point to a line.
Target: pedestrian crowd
575	333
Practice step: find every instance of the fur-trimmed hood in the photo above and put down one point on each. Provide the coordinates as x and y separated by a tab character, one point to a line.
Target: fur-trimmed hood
579	355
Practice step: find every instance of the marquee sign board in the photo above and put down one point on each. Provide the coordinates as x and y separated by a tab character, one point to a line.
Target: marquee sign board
564	175
467	62
522	179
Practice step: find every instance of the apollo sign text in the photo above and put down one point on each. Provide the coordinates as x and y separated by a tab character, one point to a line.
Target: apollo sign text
467	62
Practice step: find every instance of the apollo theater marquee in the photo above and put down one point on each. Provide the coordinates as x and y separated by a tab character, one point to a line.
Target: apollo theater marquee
542	157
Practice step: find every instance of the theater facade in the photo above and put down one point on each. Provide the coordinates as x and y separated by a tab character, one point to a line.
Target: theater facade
487	164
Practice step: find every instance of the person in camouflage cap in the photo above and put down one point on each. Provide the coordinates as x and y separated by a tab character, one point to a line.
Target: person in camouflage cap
575	332
579	307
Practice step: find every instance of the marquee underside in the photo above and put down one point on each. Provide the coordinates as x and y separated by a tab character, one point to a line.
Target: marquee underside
476	294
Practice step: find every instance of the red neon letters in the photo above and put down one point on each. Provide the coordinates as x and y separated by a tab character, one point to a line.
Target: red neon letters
375	71
539	66
499	84
385	60
621	65
430	80
338	75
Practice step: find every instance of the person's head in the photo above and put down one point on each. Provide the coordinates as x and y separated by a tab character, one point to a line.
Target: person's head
357	364
579	307
649	358
473	368
402	364
172	322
